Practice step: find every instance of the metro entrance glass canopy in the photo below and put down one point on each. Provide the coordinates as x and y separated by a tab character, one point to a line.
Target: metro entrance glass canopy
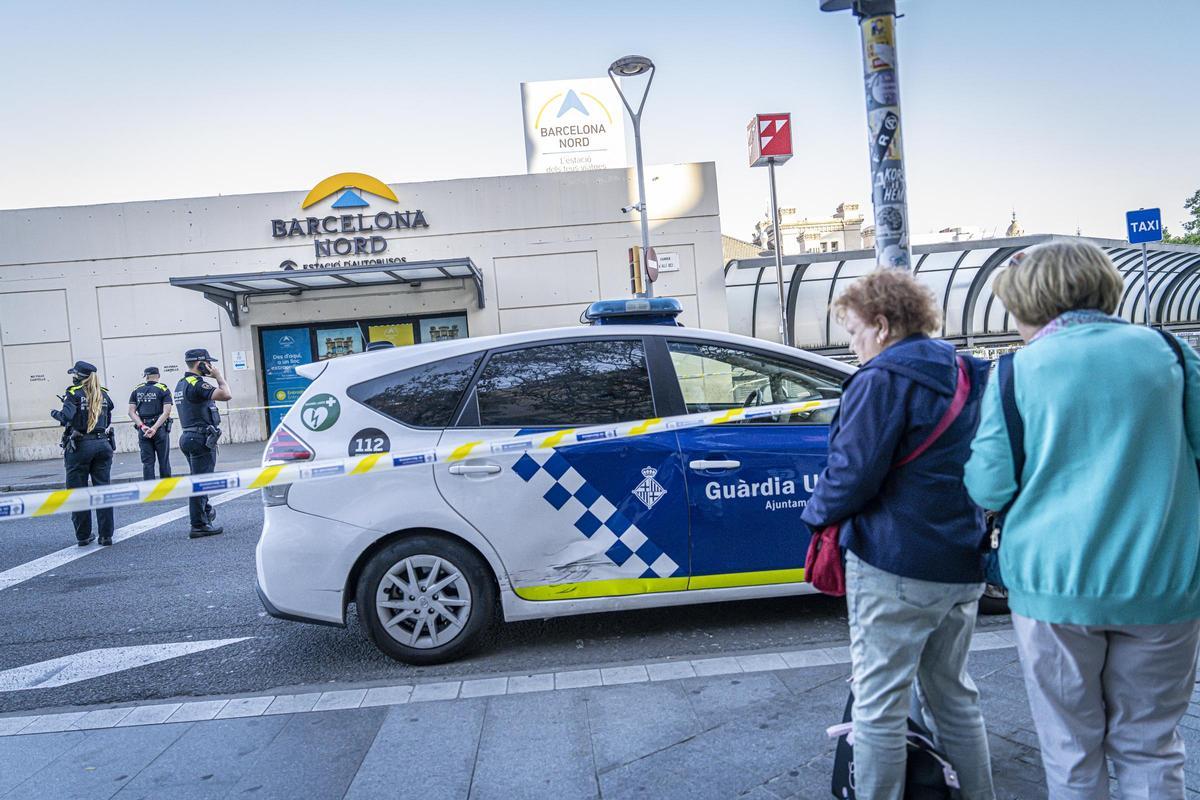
961	276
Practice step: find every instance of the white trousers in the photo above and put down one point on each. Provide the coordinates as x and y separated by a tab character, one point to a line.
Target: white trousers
1119	692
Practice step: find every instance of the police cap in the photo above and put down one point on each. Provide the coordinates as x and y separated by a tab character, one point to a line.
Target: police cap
380	345
150	371
82	369
197	354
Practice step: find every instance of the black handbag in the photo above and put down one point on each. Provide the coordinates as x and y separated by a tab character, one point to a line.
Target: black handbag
927	776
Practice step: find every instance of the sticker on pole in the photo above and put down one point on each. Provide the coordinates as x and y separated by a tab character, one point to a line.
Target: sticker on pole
1144	225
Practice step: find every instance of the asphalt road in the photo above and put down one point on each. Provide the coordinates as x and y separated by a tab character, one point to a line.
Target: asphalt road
161	587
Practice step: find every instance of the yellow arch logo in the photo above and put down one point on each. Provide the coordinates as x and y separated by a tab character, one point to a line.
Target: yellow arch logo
348	180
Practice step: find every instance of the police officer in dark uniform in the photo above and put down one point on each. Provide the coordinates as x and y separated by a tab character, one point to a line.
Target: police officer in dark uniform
196	399
150	407
88	446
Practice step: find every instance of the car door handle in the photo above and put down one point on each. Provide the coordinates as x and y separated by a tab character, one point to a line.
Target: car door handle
704	464
474	469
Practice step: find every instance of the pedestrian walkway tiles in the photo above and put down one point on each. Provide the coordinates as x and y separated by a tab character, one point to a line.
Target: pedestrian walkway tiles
165	712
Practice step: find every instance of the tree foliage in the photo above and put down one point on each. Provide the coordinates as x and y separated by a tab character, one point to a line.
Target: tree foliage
1191	227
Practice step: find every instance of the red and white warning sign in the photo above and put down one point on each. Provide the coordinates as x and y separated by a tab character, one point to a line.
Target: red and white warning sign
651	265
769	138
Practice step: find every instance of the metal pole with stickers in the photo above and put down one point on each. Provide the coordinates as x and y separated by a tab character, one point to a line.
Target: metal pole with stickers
889	195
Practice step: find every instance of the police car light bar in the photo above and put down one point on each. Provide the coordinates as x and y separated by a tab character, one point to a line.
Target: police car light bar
648	311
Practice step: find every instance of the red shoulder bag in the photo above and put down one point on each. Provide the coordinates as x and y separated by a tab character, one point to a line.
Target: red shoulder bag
823	567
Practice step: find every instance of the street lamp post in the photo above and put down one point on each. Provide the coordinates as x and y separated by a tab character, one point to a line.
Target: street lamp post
889	190
629	67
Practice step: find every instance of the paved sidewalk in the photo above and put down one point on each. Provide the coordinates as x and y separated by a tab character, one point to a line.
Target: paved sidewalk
750	726
31	476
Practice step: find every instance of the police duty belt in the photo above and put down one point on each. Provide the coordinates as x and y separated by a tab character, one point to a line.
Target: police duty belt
62	501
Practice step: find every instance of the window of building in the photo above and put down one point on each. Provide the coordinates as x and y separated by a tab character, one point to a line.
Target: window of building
716	377
573	383
422	397
286	347
833	247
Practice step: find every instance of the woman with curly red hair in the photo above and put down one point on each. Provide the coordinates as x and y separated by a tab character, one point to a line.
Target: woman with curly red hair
911	535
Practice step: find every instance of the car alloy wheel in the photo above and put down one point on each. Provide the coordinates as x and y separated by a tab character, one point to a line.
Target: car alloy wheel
423	601
427	598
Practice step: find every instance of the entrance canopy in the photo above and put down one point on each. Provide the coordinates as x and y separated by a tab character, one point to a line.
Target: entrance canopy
228	290
961	275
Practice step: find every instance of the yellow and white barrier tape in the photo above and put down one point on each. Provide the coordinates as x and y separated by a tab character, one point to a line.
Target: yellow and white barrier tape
61	501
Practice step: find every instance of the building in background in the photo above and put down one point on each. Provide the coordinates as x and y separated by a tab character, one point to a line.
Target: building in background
799	235
269	281
957	233
1014	227
732	247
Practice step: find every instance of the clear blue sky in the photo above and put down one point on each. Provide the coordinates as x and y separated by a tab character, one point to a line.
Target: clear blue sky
1069	111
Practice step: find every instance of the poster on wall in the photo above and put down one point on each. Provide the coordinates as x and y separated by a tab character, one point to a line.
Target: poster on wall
334	342
440	329
284	350
398	334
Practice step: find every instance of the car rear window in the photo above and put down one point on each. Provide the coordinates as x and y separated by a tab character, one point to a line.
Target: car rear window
424	396
572	383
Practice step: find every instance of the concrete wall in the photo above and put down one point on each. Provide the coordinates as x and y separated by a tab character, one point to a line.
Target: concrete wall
91	282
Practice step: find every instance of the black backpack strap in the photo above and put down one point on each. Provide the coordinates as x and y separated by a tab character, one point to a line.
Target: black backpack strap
1177	348
1012	422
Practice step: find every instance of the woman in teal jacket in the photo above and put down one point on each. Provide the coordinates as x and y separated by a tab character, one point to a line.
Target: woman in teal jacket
1101	547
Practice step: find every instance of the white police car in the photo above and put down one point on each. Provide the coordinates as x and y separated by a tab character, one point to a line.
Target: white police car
431	555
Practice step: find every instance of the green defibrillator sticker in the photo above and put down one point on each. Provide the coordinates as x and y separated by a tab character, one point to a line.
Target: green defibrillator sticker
320	412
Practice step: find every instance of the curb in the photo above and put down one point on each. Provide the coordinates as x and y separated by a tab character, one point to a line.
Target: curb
49	486
317	698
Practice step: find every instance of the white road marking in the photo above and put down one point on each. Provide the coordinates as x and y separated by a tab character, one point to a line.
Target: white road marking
94	663
31	569
186	710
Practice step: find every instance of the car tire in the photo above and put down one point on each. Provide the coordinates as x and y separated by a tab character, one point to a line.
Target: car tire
468	600
994	601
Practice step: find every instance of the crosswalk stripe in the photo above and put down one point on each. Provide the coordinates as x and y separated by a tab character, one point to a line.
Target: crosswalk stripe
104	661
31	569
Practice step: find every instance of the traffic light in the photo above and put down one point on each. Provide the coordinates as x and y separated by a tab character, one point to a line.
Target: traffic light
635	271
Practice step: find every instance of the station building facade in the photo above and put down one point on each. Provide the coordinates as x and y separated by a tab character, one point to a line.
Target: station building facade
268	281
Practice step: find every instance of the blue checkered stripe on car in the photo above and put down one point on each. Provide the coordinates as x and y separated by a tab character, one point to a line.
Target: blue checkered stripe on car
606	527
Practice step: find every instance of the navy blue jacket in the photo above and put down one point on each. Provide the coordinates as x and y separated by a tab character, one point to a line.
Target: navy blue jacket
917	520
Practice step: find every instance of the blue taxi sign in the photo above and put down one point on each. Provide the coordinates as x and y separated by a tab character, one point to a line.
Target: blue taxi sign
1144	225
640	311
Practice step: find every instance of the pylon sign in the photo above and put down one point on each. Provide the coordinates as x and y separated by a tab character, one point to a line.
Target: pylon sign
769	137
